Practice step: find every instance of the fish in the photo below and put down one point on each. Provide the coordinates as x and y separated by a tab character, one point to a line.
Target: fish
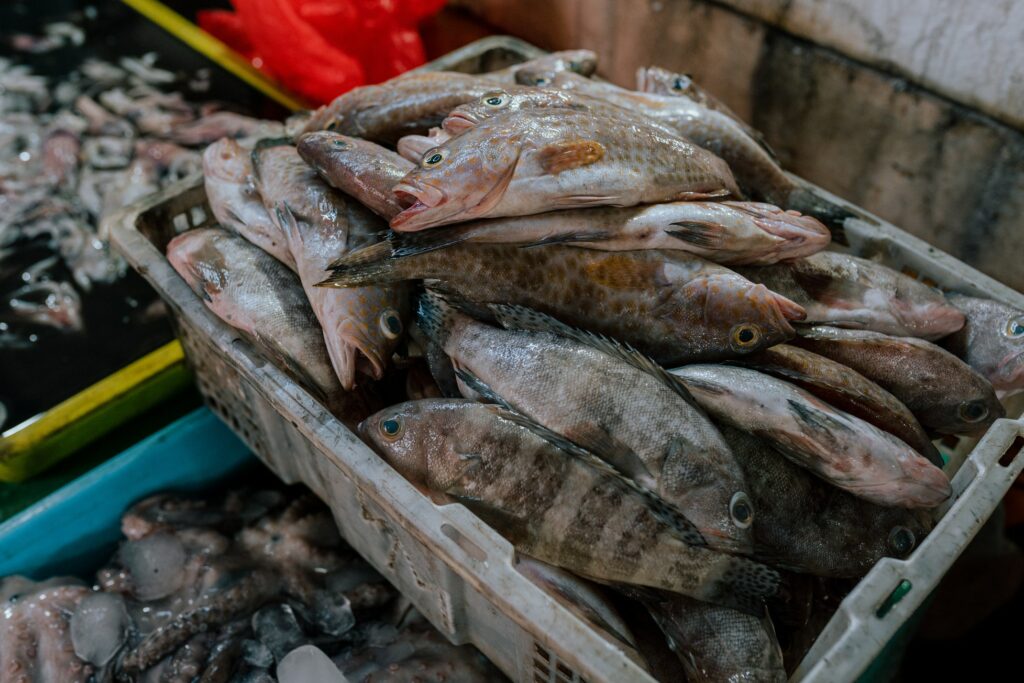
583	598
728	233
807	525
408	104
672	306
541	160
991	341
256	294
363	170
235	202
362	326
413	147
582	62
224	124
846	389
557	506
846	291
48	303
754	164
659	81
942	391
844	450
605	398
716	643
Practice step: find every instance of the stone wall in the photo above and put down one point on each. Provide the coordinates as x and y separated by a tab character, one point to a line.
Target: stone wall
927	163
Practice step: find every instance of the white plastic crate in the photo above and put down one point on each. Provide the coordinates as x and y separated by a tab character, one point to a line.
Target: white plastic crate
458	571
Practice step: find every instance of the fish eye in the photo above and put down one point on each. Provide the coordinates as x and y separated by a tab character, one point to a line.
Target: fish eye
678	84
340	144
434	157
972	411
541	81
741	510
1015	328
495	100
745	336
390	324
391	428
901	541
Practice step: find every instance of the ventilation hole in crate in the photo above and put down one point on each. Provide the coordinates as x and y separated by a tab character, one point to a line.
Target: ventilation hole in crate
196	216
1011	453
547	668
898	593
930	282
468	546
950	441
180	223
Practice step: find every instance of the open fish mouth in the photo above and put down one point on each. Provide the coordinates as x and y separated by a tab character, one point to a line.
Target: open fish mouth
779	311
1009	375
459	122
353	359
416	198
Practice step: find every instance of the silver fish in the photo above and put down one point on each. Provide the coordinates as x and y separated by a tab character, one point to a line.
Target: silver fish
991	342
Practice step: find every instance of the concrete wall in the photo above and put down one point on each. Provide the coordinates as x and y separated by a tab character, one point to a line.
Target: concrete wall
904	149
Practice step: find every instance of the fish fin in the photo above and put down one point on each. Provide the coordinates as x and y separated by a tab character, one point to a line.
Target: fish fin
615	452
668	515
576	201
514	317
367	266
816	284
691	196
512	527
699	233
745	585
435	315
422	241
569	238
815	418
563	156
287	222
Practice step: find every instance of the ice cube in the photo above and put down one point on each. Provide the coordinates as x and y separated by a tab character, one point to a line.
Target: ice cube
278	629
306	664
99	627
156	564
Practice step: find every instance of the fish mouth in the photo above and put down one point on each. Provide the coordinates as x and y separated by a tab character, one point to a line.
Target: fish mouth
458	122
777	309
354	358
1009	375
416	199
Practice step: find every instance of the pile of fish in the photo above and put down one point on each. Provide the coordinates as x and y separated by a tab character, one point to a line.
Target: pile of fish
631	355
252	586
73	151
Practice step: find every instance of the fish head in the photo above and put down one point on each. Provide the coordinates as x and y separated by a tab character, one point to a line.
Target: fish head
924	310
803	235
658	81
458	180
504	101
227	160
971	406
541	71
373	321
742	317
197	259
922	484
991	341
422	439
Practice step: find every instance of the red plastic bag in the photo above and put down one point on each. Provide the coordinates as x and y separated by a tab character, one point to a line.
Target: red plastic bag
226	27
295	52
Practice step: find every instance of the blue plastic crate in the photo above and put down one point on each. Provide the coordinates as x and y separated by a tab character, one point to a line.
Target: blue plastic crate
75	529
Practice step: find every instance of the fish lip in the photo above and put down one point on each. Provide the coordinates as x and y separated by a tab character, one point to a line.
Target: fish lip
458	122
1015	375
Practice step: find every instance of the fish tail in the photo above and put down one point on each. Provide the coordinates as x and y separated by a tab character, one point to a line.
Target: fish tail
832	215
370	265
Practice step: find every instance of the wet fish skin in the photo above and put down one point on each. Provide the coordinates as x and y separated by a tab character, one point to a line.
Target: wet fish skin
729	233
991	341
849	453
359	168
552	505
716	643
671	306
658	81
634	420
224	124
256	294
408	104
846	389
361	326
237	206
541	160
941	390
840	290
582	62
814	527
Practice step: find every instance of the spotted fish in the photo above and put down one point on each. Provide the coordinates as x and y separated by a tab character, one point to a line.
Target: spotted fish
672	306
541	160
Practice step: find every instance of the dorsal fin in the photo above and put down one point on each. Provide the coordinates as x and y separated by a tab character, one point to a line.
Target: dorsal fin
514	317
668	515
